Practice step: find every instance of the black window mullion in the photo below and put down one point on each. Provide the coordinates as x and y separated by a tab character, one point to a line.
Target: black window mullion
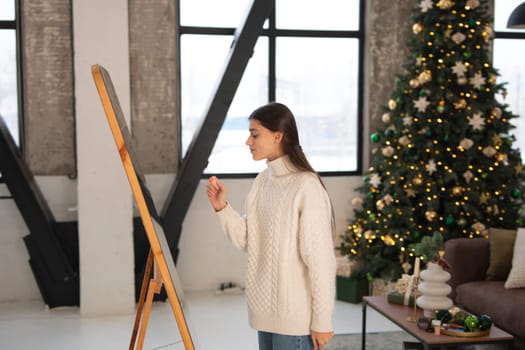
271	56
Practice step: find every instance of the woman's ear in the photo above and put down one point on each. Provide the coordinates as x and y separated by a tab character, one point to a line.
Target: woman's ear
278	136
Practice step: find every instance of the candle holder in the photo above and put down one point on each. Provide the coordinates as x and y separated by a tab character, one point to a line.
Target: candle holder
413	318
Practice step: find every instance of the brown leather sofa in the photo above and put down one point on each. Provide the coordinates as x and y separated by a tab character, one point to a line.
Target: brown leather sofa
469	261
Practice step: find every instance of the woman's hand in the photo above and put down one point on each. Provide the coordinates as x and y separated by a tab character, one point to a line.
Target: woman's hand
320	339
216	193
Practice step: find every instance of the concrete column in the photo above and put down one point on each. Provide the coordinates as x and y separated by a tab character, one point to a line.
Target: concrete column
100	32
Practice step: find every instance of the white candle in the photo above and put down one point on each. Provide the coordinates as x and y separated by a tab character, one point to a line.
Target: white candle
416	268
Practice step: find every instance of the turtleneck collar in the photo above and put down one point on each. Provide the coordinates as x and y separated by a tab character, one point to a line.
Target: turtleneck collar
281	166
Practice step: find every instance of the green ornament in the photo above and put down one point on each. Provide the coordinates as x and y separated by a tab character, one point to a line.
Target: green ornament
449	220
446	138
472	323
459	317
372	216
443	315
467	54
516	193
389	132
484	322
365	179
417	234
484	176
508	141
370	195
375	137
422	93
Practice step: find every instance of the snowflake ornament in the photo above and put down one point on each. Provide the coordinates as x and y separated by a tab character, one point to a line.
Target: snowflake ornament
477	122
375	180
477	80
421	104
459	69
431	166
425	5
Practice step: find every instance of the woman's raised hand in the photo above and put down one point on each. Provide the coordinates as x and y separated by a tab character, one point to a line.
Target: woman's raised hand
216	191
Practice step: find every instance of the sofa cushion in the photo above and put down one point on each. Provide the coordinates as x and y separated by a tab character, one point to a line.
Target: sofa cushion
506	307
501	250
516	277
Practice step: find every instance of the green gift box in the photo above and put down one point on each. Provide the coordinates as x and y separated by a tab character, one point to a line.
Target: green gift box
351	289
397	298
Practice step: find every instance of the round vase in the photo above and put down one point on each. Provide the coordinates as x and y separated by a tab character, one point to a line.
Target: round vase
433	290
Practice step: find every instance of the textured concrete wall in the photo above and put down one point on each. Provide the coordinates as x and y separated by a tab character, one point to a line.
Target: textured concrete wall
49	93
154	84
48	87
389	29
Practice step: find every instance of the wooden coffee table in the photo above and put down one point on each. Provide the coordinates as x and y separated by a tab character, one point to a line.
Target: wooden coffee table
399	314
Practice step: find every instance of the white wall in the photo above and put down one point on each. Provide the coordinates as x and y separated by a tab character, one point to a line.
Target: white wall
206	256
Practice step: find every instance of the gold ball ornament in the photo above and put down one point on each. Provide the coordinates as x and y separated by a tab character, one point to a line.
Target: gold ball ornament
496	111
392	104
461	80
386	117
414	83
417	28
445	4
425	77
357	201
404	140
461	104
380	204
369	234
457	190
417	181
431	215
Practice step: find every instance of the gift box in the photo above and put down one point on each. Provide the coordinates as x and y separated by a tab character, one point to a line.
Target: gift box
398	298
351	289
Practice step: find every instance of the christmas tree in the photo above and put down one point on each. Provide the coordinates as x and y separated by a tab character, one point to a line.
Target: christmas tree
443	159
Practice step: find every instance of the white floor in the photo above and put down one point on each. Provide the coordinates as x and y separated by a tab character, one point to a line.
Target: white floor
215	323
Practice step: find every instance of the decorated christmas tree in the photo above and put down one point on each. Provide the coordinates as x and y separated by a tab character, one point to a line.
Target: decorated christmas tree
443	159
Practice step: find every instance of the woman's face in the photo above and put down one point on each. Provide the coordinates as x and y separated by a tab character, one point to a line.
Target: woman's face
264	143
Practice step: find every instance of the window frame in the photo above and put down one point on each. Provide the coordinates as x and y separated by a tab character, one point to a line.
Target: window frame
272	33
16	25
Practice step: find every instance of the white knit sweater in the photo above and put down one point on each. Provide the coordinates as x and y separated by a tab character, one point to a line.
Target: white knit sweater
287	234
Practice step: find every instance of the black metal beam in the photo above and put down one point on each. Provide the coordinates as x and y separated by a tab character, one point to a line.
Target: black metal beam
196	158
57	280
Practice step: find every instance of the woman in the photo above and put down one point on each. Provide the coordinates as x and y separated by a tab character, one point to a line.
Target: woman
287	232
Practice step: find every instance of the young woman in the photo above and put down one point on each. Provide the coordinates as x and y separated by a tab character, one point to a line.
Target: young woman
287	231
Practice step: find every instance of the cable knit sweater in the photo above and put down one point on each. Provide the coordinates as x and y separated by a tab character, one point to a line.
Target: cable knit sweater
286	231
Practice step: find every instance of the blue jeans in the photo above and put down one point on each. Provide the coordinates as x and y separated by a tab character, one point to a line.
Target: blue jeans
274	341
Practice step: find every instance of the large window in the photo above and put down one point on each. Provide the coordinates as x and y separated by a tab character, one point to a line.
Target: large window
308	57
509	50
8	67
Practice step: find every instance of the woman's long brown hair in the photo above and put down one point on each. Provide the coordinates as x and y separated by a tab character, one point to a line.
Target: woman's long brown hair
276	116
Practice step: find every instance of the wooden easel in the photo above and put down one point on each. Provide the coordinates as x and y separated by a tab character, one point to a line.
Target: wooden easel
149	288
159	257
